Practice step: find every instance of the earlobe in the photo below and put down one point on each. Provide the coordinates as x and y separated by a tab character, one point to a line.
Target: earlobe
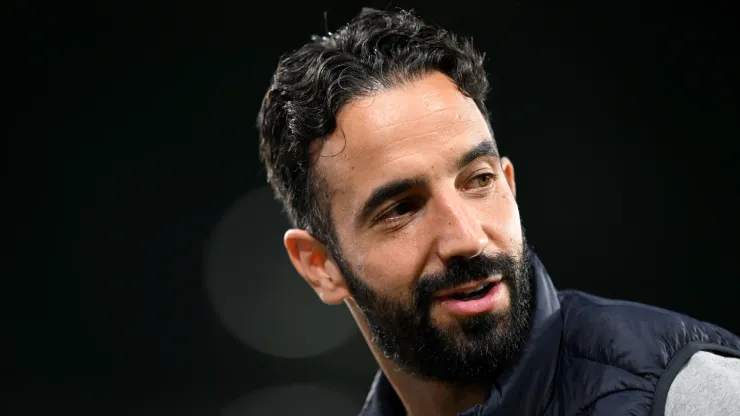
508	169
312	261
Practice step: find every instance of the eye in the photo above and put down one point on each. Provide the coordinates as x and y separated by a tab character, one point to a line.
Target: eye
400	210
483	180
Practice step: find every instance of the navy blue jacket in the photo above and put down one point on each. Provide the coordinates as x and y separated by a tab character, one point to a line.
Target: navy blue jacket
587	356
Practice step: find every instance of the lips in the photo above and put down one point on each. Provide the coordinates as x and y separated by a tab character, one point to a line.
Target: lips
467	287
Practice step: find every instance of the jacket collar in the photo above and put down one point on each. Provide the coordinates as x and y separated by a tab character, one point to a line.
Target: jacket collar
526	386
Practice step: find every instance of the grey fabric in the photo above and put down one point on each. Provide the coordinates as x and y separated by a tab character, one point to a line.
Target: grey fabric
708	385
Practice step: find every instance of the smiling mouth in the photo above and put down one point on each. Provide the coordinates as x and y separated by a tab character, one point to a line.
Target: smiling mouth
473	294
469	291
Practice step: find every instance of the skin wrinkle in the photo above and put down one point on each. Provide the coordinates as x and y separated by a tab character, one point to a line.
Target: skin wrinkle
371	101
401	123
440	130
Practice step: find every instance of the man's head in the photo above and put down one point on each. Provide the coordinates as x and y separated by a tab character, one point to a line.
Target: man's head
377	141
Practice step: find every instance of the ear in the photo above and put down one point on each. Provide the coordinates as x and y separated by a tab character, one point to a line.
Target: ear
312	260
508	169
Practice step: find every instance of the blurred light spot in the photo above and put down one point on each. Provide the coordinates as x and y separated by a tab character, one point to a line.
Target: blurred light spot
257	293
297	399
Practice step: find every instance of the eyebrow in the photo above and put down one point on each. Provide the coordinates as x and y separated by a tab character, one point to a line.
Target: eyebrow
390	190
486	148
385	192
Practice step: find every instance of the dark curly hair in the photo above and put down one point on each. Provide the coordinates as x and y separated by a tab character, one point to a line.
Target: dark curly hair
376	50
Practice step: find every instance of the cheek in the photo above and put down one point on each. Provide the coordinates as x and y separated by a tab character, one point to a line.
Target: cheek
502	224
391	267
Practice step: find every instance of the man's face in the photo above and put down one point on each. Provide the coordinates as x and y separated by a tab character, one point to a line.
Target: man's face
424	210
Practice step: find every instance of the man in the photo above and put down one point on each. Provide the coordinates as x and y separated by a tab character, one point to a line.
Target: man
377	141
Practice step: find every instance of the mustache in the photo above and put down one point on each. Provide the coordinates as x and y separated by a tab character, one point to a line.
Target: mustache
463	270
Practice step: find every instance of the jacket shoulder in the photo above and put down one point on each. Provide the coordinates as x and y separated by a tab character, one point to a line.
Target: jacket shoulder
631	335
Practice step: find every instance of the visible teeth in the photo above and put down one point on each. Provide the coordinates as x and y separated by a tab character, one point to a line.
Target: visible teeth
475	289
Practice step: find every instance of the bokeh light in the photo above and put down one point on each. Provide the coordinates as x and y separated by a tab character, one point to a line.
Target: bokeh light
257	293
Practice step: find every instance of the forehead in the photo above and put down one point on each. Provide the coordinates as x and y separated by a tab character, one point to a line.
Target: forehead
398	133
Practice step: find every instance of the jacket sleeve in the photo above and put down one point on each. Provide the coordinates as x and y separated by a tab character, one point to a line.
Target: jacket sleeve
707	385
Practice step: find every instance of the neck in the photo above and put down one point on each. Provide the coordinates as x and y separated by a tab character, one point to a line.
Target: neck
420	396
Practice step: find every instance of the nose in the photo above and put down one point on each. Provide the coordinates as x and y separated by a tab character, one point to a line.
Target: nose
460	232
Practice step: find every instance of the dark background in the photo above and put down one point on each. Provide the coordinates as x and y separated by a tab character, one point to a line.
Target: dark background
145	273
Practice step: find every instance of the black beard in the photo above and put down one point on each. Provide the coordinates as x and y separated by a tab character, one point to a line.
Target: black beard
476	351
